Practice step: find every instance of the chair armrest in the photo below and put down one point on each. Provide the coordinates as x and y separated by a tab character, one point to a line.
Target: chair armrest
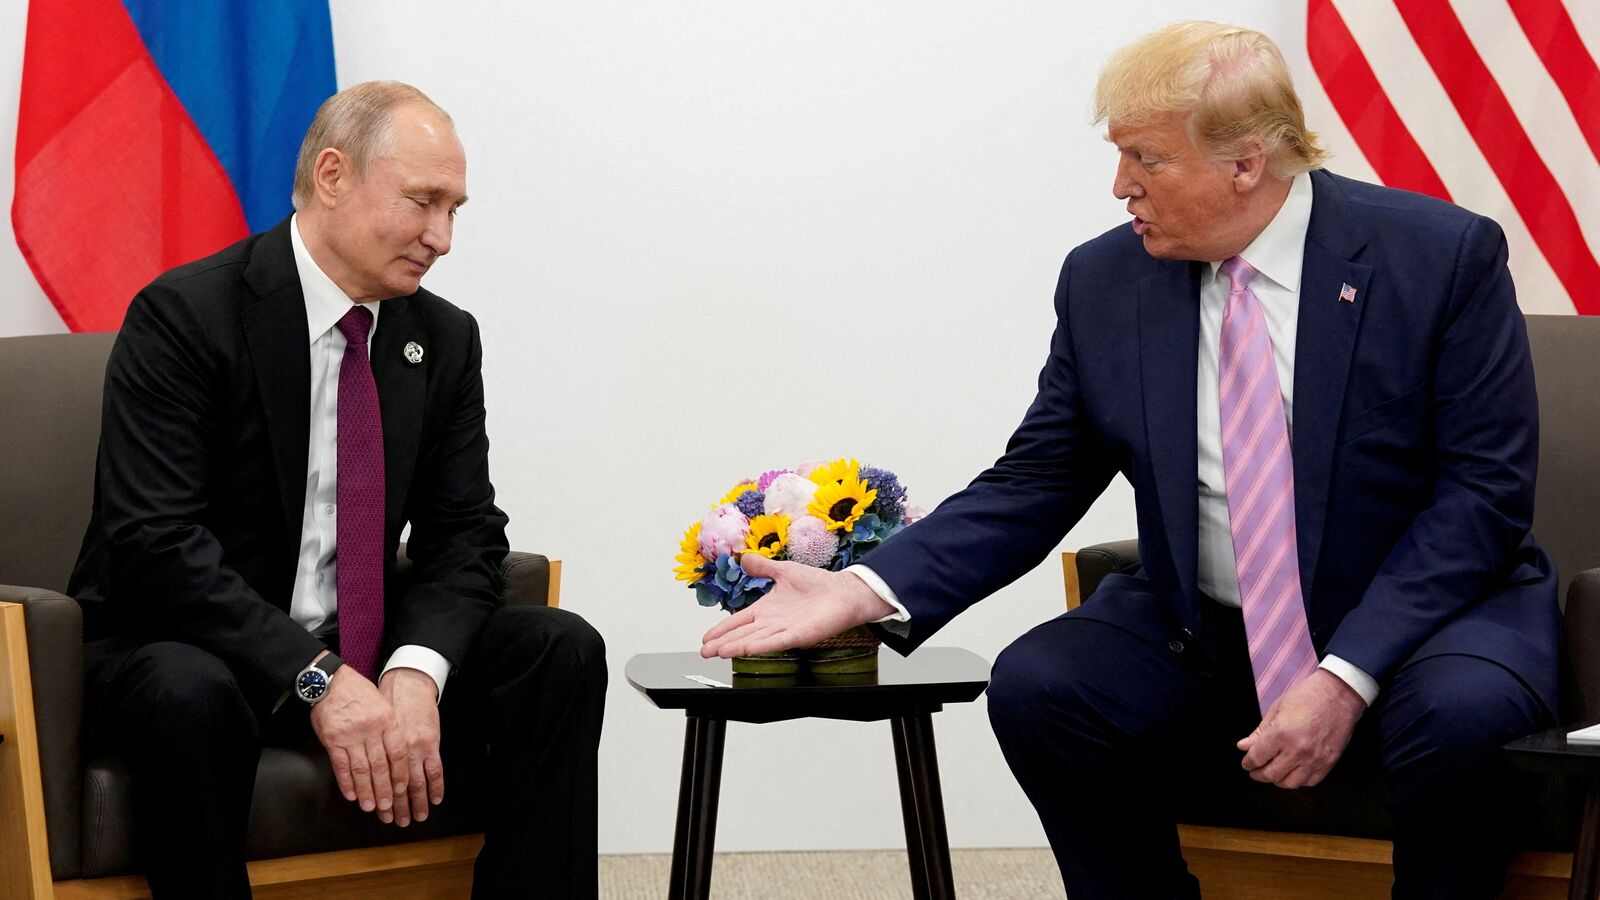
54	624
1581	639
1085	569
530	579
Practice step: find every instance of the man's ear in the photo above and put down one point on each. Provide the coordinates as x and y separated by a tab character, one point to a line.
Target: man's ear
330	176
1250	171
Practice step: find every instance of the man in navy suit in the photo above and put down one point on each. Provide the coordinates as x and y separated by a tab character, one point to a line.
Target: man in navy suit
1349	558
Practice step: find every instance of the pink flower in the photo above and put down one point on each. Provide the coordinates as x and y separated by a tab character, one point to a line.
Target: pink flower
789	494
913	513
765	481
805	469
811	543
722	531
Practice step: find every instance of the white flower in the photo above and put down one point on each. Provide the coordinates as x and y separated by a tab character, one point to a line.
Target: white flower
789	494
811	543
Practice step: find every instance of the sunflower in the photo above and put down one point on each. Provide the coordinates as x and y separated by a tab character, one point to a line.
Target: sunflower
769	535
840	504
836	471
739	490
689	558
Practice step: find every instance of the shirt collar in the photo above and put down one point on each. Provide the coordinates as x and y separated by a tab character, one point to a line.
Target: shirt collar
1279	251
326	304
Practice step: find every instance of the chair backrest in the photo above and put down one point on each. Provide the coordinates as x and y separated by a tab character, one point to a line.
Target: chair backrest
1566	362
50	387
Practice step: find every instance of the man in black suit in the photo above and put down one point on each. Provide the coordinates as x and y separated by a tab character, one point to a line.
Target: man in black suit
275	415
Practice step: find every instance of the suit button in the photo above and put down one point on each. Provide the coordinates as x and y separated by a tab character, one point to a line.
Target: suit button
1175	646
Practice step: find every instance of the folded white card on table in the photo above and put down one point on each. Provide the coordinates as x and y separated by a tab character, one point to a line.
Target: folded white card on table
1590	735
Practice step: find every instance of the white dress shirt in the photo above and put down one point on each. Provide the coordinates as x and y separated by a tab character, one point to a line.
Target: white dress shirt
316	597
1277	253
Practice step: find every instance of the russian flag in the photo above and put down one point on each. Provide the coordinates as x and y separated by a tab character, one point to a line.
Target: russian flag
154	132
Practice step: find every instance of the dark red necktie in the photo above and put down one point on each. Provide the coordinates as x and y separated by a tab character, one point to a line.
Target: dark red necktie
359	534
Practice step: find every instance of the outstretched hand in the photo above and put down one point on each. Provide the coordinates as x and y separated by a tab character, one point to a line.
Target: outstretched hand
804	606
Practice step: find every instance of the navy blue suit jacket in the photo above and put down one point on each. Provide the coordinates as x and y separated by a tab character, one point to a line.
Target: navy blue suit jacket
1415	445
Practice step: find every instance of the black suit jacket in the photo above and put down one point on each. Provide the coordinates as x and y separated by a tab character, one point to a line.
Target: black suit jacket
200	481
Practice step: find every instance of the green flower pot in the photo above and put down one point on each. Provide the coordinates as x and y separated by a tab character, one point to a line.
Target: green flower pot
785	662
842	661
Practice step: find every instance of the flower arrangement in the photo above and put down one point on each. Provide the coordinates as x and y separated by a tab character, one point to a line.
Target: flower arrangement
826	515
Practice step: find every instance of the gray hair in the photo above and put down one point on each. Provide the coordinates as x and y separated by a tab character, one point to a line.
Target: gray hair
359	122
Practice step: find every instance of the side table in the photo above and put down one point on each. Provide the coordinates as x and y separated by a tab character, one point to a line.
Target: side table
905	690
1549	752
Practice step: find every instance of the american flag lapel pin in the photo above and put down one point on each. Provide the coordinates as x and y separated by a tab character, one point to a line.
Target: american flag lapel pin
1347	294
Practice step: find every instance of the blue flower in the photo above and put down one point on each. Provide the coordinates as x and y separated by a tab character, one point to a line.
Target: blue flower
891	503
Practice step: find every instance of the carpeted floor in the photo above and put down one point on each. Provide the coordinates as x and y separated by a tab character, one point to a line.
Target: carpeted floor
869	875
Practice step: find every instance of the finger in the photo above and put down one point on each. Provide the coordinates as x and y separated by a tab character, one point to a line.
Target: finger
743	643
1302	776
433	766
399	760
733	642
1249	740
418	788
382	787
402	810
341	772
1278	770
760	566
361	774
1261	752
742	617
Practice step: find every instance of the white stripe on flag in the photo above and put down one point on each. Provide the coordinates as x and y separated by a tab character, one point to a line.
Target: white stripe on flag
1419	99
1537	101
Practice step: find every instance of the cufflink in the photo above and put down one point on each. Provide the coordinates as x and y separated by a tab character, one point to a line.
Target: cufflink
413	352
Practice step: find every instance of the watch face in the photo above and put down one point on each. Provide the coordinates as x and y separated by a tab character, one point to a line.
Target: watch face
311	685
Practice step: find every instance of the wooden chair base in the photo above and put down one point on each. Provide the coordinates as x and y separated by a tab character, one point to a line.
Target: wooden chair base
440	869
1238	864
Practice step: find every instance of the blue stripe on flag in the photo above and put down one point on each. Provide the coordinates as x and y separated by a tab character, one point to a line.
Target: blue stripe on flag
251	75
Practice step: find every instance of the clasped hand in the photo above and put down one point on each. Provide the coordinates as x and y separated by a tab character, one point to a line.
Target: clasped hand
383	742
1304	732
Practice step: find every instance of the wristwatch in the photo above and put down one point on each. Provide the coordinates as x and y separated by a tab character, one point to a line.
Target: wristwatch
311	685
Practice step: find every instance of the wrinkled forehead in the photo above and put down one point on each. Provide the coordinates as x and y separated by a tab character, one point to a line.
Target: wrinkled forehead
1163	134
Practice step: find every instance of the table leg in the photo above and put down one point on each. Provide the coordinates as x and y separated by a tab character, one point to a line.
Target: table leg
697	809
1586	858
922	807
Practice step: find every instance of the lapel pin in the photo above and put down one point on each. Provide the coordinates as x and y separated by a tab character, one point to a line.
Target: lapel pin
1346	293
413	352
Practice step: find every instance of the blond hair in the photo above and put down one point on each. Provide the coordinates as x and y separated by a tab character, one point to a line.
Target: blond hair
359	122
1231	83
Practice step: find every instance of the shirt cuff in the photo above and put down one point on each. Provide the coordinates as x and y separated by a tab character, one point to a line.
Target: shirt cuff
428	661
1359	681
897	622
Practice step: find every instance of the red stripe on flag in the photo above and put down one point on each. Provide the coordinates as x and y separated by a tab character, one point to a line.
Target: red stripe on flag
1550	30
1494	126
114	183
1377	128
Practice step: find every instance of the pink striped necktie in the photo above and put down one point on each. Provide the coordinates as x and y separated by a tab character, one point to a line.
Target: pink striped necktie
359	530
1259	471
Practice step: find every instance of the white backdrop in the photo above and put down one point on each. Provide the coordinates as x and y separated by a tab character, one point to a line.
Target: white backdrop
711	238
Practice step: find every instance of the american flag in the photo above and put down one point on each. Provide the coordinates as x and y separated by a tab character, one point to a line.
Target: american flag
1491	104
1347	294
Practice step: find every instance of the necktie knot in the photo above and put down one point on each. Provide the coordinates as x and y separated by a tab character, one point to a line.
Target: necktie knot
355	324
1239	272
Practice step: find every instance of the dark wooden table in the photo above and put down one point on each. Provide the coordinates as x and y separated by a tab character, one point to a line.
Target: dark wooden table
907	691
1549	752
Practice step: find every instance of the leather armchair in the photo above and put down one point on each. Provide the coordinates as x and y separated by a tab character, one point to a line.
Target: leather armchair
65	826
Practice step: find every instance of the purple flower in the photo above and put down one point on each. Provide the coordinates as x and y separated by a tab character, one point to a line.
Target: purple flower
891	502
751	504
767	478
723	531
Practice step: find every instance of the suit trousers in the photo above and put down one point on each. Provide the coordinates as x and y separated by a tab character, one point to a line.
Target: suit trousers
1102	727
524	708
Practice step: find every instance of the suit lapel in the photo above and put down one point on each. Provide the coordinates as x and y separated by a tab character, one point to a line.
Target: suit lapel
280	353
1169	340
402	390
1325	341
